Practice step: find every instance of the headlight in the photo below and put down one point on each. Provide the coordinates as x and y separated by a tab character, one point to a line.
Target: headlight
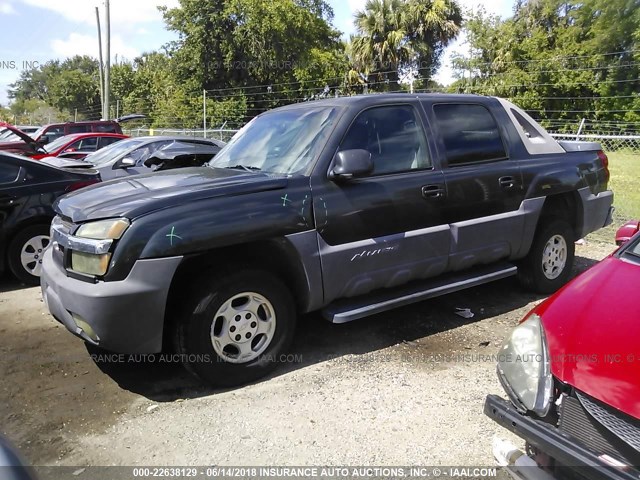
103	229
97	263
524	368
90	263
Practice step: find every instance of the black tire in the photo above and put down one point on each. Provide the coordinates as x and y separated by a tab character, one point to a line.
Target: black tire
535	276
14	253
193	329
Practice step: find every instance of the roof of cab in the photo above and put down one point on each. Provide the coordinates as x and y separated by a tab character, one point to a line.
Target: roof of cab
359	101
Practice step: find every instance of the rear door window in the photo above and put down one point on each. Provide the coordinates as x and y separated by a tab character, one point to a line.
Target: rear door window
104	141
470	133
78	128
8	173
106	128
88	144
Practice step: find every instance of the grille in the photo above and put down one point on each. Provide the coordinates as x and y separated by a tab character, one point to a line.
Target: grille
621	425
577	422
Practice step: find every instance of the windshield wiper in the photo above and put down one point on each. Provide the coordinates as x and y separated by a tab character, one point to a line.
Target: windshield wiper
245	167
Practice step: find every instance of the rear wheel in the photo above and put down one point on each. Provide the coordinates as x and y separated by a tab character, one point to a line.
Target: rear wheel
26	251
235	328
548	265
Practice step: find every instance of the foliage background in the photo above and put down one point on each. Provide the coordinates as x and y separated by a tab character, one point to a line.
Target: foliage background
560	60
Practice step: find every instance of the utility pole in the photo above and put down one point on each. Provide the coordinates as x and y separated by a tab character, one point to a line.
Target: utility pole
204	112
101	64
107	70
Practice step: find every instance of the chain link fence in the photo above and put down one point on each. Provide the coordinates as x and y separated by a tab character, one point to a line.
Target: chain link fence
218	134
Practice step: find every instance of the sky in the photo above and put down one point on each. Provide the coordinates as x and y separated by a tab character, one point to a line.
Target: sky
35	31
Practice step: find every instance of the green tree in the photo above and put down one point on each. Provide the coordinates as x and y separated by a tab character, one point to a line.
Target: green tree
400	35
381	46
561	60
67	85
248	43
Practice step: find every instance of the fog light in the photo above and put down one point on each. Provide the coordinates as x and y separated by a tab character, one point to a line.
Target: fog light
89	263
85	327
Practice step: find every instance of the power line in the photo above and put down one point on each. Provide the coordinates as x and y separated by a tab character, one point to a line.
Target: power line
559	70
565	57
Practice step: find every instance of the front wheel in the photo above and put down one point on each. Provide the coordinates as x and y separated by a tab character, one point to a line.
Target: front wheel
235	328
26	251
548	265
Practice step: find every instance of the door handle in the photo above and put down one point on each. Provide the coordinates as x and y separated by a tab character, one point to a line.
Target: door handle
507	182
433	191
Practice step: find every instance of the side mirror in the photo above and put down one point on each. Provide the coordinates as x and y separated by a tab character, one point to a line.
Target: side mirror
351	164
126	162
44	139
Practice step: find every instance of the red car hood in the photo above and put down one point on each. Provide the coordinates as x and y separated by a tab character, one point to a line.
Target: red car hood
592	327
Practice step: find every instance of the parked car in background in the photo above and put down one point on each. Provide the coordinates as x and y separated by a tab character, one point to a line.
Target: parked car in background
27	191
138	155
6	135
78	145
32	144
627	231
28	129
570	370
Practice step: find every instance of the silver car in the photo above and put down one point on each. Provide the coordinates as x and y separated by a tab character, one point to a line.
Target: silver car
134	156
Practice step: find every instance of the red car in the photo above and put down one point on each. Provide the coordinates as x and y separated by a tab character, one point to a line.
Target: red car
31	144
78	145
627	231
572	372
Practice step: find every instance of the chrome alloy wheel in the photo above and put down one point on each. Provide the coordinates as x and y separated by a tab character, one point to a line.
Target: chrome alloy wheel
243	327
554	257
32	252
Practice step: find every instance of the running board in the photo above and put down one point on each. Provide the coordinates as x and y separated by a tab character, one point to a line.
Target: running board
346	310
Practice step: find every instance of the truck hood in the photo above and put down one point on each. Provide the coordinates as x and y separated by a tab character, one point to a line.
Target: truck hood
142	194
593	333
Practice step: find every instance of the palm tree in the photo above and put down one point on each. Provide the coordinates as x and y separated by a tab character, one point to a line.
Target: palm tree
401	34
381	46
433	25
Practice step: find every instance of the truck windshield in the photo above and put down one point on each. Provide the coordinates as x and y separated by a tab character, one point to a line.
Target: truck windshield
282	142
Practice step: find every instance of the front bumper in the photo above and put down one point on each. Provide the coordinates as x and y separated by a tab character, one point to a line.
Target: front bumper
549	440
125	316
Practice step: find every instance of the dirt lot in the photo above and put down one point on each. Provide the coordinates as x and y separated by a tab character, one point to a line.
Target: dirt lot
401	388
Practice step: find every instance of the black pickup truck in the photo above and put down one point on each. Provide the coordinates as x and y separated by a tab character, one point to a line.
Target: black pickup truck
350	206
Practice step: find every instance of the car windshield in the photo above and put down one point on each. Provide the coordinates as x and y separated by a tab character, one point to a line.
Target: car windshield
56	144
113	151
283	142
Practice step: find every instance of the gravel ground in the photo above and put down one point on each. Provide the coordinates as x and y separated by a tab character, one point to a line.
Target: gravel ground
402	388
